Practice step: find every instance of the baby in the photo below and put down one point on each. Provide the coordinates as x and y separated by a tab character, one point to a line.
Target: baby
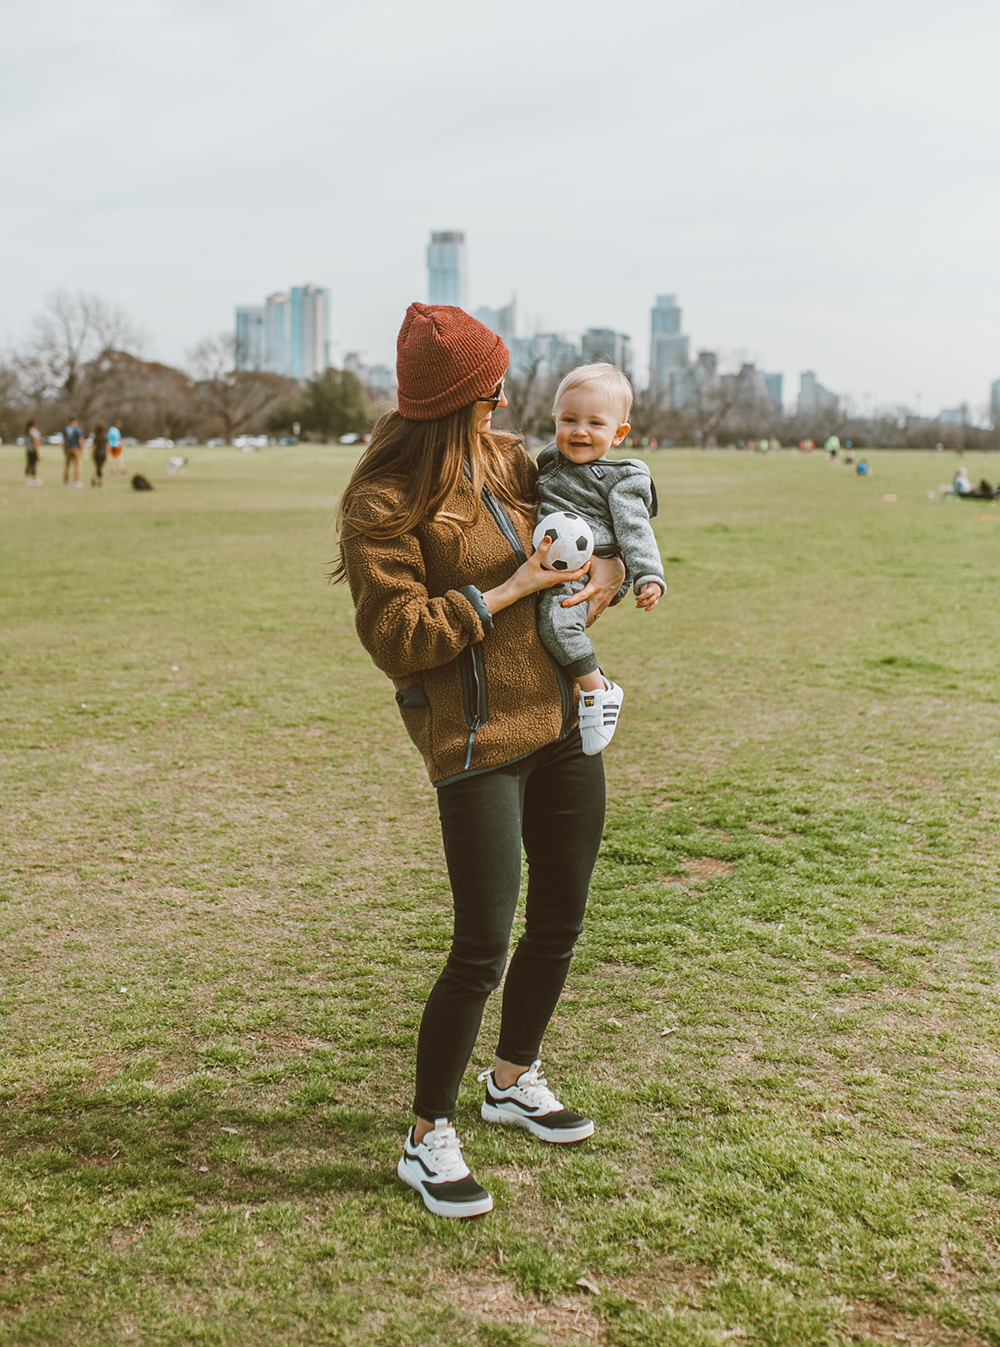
591	412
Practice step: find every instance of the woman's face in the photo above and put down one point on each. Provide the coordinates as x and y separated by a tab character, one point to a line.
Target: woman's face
488	405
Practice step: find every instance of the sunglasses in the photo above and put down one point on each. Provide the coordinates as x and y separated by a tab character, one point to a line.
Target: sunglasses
494	398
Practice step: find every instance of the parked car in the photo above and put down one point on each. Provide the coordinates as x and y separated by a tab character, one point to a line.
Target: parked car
53	439
349	439
186	442
130	442
289	439
247	443
216	444
161	442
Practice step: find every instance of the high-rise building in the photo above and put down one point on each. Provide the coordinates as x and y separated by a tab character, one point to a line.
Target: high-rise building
995	403
446	268
251	342
501	321
601	343
814	399
277	333
309	347
668	348
288	334
774	384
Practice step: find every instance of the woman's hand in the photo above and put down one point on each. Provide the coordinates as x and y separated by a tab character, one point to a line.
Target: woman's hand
607	575
532	576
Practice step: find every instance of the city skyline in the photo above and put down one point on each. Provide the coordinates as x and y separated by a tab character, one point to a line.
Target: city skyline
289	334
785	179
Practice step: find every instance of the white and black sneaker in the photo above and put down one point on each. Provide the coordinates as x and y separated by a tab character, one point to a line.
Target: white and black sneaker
599	717
437	1171
530	1103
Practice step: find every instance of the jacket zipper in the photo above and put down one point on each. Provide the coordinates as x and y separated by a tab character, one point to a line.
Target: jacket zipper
475	700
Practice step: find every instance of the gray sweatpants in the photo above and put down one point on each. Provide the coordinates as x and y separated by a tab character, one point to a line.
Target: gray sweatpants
564	630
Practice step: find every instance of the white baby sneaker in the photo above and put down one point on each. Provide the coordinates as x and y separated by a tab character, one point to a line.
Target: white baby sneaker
599	717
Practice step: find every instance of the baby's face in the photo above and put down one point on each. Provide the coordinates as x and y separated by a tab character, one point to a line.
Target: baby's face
586	425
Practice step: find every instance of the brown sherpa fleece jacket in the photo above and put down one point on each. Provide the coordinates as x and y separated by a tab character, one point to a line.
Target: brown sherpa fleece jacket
475	691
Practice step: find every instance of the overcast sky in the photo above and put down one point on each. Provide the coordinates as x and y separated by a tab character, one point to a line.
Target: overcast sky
817	181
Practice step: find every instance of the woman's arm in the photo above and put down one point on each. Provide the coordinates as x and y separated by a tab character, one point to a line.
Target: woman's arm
530	577
401	626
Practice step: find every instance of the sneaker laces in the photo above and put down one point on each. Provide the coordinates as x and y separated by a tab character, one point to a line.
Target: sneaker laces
447	1150
535	1089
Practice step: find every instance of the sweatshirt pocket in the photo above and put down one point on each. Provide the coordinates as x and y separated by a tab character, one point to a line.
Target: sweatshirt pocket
475	694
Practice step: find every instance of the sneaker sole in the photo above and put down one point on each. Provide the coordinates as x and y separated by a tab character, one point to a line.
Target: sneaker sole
563	1136
438	1208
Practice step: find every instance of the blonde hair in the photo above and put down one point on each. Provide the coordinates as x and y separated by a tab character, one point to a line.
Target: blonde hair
608	378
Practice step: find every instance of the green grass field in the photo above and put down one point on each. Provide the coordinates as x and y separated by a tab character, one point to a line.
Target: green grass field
222	902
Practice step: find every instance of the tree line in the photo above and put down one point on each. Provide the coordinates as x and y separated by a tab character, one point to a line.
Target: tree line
83	358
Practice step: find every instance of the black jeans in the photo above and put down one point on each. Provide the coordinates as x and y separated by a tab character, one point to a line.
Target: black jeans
553	801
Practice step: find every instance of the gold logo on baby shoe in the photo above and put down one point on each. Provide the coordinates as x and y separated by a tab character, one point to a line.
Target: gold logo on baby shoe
588	701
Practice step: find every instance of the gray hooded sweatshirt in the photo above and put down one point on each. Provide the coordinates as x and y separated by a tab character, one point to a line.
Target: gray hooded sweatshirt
617	499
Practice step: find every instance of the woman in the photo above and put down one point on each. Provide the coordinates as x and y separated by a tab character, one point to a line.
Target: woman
436	526
99	453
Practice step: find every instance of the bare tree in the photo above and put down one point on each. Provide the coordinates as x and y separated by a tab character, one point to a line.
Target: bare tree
236	399
12	407
69	359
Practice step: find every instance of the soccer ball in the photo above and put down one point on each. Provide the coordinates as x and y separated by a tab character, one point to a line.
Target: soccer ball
572	540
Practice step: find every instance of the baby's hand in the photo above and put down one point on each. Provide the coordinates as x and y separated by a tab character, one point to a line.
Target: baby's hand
648	597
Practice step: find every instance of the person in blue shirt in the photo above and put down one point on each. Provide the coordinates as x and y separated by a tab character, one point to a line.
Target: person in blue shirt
115	449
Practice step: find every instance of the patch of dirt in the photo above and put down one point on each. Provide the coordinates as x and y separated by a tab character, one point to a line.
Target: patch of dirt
567	1319
875	1323
704	867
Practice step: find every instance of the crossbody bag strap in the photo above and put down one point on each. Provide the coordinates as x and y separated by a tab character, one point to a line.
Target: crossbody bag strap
502	519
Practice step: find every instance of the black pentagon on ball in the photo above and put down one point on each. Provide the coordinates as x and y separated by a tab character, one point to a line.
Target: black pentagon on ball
551	534
560	566
581	544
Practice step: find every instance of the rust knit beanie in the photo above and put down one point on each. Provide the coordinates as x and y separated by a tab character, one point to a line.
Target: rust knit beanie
445	359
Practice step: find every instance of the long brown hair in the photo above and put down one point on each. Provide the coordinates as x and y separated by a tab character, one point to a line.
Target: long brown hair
426	459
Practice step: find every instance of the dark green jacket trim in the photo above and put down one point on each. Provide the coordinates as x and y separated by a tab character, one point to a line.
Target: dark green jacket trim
475	597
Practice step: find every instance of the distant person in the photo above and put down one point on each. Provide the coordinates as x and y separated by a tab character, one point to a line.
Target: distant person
960	483
33	452
863	469
115	449
99	452
832	448
72	450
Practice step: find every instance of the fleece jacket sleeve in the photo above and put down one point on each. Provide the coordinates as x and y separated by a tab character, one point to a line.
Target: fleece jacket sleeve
401	626
630	501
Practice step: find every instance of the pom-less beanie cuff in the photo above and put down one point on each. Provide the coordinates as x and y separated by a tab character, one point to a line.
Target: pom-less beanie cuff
445	360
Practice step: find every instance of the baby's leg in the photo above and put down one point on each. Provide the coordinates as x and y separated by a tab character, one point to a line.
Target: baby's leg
564	633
